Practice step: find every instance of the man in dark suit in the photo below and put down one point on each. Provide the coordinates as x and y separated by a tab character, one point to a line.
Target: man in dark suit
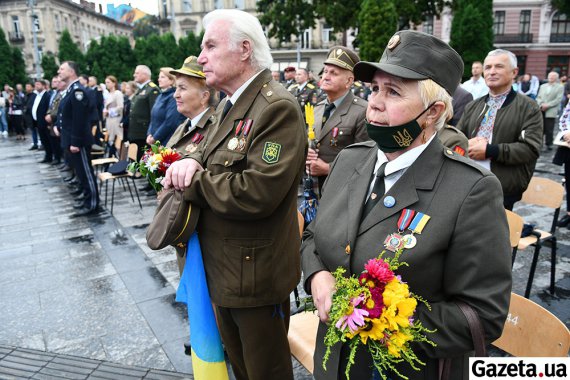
29	98
74	113
39	110
339	120
245	182
141	105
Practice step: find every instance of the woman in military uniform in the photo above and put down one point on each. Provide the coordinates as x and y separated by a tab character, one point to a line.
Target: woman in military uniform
460	249
197	102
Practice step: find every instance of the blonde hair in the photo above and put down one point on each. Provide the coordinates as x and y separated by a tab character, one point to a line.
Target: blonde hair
166	71
431	92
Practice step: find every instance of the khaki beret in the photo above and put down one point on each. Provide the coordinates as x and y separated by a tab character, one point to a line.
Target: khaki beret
174	221
342	57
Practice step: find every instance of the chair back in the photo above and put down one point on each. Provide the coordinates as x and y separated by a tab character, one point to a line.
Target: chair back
531	330
132	153
547	193
516	224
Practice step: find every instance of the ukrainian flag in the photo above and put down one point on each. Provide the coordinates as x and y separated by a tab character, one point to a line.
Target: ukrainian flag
207	352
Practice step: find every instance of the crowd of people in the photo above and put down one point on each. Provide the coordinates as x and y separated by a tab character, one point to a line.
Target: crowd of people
384	143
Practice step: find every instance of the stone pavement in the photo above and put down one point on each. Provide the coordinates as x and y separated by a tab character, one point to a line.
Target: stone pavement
88	293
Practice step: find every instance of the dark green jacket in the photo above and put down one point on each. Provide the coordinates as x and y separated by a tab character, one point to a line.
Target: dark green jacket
141	105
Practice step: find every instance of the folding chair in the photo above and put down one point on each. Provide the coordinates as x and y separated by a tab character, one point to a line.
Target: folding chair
546	193
516	224
105	177
531	331
96	150
121	154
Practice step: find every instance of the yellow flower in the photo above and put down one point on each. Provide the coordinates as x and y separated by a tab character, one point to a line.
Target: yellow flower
373	329
407	307
396	343
394	292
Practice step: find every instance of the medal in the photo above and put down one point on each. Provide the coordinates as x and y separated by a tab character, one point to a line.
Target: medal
393	242
196	139
234	141
246	129
334	136
416	227
409	241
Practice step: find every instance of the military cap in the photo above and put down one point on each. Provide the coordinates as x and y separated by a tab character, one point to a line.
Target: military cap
416	55
290	68
342	57
174	221
190	68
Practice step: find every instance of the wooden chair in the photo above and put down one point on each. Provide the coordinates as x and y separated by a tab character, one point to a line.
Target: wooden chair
105	177
546	193
120	155
303	337
531	330
102	141
516	224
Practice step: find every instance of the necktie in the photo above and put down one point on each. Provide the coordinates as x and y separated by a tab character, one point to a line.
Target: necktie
377	191
327	113
227	107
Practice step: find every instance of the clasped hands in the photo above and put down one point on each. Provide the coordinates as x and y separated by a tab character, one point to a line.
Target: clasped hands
477	148
314	165
179	175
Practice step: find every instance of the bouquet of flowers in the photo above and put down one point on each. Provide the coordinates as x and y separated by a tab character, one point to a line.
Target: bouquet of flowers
154	163
376	311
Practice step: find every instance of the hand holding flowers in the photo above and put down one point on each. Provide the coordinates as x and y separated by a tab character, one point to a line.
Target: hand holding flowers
154	164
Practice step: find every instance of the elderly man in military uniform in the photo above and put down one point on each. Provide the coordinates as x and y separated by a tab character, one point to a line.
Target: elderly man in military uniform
74	113
141	105
339	119
303	90
245	182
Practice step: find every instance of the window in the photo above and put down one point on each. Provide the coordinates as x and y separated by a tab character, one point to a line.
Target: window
327	33
499	23
57	23
560	31
36	22
524	22
40	53
239	4
16	26
521	64
306	39
558	63
187	6
427	25
218	4
164	8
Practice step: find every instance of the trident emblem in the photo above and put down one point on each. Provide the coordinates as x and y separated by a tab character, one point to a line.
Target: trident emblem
403	139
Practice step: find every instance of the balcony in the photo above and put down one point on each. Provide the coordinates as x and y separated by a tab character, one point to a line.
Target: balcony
513	38
17	37
560	38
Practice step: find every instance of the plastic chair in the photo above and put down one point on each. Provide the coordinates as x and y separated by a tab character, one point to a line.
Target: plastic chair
516	224
546	193
105	177
531	330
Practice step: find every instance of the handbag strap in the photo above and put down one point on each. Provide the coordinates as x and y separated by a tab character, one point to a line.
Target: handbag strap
477	334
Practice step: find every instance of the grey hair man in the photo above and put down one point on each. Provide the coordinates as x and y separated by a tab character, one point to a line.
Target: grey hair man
504	128
141	106
549	95
245	182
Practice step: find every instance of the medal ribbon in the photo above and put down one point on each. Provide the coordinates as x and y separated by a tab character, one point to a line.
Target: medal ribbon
335	132
405	219
238	129
419	223
199	138
195	137
248	124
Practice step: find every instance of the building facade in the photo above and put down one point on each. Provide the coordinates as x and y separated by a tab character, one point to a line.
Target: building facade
52	17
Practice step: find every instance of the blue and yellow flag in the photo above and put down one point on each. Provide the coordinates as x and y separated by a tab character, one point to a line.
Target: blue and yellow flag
207	351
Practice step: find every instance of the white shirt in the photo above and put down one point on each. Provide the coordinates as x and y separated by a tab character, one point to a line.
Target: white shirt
242	88
194	121
141	85
37	101
396	168
477	88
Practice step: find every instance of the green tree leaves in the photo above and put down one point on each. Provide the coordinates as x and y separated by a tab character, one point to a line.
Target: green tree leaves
378	22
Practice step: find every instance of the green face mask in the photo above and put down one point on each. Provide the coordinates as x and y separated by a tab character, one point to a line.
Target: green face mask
394	138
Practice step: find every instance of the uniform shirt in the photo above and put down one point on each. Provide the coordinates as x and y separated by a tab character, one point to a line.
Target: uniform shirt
196	120
477	88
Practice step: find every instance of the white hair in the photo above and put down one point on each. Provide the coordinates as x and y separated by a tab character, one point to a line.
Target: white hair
512	57
244	26
555	74
145	69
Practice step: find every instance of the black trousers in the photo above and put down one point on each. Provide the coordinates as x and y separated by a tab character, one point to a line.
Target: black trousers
256	341
43	132
81	163
548	130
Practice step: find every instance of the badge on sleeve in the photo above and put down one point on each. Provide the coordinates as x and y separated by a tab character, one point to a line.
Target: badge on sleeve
271	152
79	95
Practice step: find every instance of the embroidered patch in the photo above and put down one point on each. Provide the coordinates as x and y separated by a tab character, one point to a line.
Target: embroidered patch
79	95
271	152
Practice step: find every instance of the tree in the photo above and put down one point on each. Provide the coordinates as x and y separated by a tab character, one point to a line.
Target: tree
49	65
472	31
190	45
286	18
145	27
19	66
378	21
6	68
562	5
413	11
69	51
340	14
172	56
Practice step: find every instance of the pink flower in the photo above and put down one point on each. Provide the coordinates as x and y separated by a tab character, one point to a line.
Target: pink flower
355	318
379	270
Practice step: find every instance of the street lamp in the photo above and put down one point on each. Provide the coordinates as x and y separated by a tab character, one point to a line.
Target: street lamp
35	28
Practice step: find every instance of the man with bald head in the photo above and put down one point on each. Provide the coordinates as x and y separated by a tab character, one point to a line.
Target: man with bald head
141	105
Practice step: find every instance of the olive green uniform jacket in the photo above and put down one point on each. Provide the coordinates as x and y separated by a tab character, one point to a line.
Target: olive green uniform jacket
141	105
453	139
517	138
181	140
306	95
463	253
248	226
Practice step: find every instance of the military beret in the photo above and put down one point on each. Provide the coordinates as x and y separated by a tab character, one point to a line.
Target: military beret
342	57
416	55
290	68
191	68
174	221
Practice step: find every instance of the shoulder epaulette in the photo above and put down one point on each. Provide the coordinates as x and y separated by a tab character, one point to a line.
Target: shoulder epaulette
151	84
312	87
448	153
363	144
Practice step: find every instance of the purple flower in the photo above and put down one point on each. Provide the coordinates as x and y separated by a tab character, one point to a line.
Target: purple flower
354	318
